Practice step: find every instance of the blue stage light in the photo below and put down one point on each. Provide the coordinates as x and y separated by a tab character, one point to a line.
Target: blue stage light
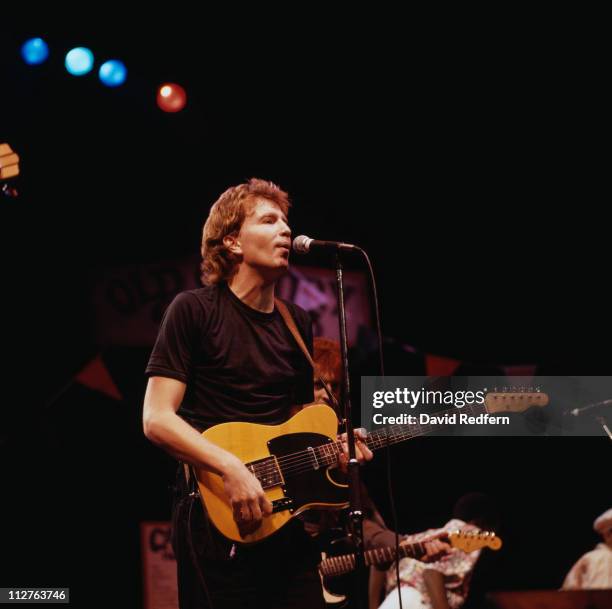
34	51
79	61
113	73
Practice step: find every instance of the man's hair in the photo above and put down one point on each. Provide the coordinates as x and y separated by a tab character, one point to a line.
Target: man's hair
225	218
478	509
327	358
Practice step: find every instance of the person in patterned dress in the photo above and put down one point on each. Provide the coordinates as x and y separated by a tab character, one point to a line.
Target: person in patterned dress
443	584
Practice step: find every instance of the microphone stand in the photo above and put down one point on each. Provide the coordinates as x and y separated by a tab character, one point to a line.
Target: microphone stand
604	424
359	580
599	418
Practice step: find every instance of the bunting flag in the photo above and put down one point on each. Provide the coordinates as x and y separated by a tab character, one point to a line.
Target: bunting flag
96	376
436	365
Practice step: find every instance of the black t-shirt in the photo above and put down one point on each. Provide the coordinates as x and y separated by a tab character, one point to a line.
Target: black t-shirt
239	364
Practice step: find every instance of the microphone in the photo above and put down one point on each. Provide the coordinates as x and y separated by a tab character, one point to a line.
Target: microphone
578	411
303	244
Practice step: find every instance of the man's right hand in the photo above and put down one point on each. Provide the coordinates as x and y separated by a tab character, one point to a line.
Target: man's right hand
246	496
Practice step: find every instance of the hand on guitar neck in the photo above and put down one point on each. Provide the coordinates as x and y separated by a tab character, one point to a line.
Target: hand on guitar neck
432	548
435	547
362	452
468	539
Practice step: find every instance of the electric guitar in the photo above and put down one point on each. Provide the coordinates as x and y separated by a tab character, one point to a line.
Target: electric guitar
9	168
468	541
296	462
333	569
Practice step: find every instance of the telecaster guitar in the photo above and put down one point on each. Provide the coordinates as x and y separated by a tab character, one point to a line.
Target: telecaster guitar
468	541
333	569
296	462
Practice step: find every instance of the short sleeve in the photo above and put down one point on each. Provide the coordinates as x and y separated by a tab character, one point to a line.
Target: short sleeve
173	352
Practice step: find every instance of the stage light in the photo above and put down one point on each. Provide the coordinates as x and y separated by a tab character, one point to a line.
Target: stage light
34	51
79	61
113	73
171	97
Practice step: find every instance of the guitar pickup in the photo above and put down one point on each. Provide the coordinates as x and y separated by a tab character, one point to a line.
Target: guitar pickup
280	505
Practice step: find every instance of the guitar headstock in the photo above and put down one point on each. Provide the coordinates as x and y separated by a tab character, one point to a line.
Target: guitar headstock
514	401
469	541
9	168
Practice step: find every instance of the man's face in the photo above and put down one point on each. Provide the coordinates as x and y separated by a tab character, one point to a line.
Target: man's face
264	239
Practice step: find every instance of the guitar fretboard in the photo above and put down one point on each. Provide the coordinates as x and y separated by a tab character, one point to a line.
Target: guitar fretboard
270	470
394	434
339	565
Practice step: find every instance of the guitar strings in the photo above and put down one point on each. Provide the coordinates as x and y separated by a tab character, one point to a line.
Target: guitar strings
381	436
302	461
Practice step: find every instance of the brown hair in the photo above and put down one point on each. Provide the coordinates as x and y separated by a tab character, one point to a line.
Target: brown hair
327	359
225	218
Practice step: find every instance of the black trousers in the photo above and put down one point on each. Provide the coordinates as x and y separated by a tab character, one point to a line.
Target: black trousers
213	573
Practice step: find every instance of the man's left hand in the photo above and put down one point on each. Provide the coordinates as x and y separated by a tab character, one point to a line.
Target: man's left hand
362	452
436	547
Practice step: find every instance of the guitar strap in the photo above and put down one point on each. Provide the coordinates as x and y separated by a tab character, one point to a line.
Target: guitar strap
289	321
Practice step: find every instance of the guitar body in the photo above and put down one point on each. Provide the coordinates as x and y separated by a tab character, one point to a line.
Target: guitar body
337	587
293	484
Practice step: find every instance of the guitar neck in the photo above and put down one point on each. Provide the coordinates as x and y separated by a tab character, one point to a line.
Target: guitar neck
339	565
494	402
399	433
467	541
327	454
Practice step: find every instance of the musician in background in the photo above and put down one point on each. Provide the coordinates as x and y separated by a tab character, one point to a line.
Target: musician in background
593	570
328	367
443	584
223	354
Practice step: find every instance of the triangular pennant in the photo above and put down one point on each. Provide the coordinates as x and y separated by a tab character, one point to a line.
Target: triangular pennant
436	365
96	376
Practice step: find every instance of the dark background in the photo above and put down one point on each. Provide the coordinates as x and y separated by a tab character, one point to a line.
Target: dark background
469	169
